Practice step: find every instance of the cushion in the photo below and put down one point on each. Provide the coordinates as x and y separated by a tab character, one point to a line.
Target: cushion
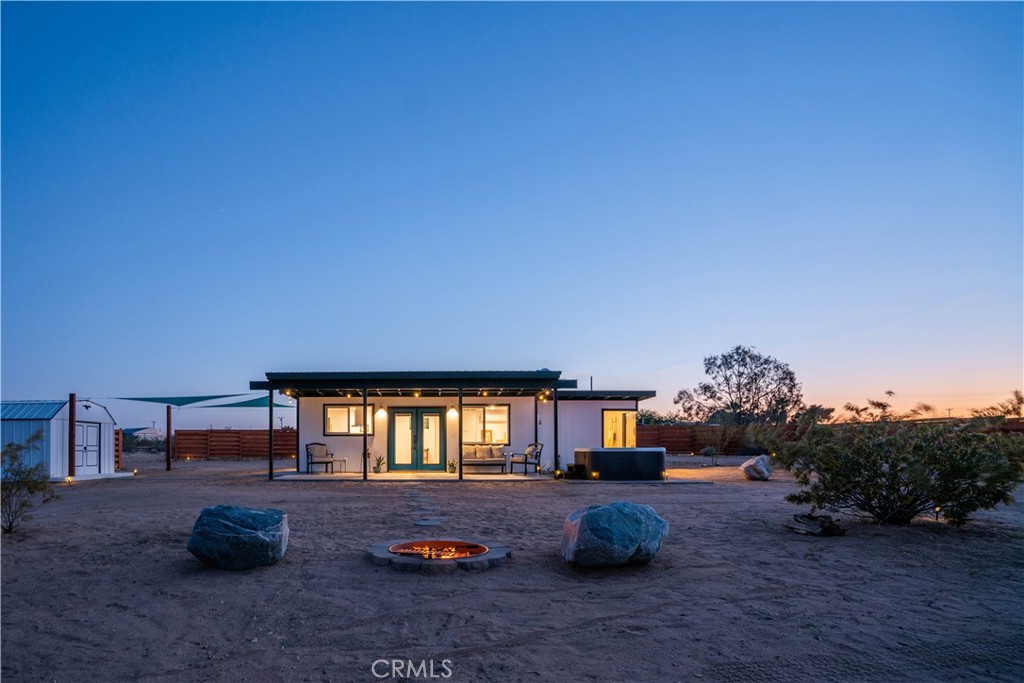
497	451
483	452
468	452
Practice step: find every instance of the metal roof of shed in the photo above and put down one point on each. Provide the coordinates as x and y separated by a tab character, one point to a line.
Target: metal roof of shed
47	410
30	410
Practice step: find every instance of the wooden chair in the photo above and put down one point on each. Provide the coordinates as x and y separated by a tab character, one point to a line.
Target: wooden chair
531	456
316	454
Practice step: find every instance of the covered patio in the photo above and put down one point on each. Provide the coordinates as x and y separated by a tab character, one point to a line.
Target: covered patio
395	400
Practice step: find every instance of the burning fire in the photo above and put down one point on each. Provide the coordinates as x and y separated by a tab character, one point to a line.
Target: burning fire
438	550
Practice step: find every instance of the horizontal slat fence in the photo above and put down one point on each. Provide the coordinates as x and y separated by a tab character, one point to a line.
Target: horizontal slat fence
118	449
687	439
227	444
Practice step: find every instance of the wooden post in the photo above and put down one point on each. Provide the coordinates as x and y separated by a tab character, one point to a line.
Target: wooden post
169	438
72	423
460	433
270	449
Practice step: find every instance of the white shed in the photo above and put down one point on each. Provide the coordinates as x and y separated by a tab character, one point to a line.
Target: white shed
94	435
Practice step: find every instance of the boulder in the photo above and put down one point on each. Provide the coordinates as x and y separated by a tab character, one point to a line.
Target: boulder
758	468
613	534
233	537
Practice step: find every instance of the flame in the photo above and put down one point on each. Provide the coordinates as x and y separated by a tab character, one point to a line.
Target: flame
438	550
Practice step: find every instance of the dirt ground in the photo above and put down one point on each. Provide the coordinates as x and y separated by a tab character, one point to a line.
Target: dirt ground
100	587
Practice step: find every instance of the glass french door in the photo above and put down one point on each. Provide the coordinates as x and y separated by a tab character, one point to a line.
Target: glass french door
416	439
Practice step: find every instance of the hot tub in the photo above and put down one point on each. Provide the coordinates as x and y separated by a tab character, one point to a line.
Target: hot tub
620	464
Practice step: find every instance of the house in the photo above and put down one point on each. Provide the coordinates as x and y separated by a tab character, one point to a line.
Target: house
94	435
424	421
145	433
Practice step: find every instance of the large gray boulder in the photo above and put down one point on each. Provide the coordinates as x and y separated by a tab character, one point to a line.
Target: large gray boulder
613	534
233	537
758	468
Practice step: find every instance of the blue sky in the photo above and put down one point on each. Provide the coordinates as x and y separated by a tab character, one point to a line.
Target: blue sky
194	194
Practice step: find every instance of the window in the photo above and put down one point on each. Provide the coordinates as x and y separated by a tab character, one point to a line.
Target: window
347	420
619	428
485	424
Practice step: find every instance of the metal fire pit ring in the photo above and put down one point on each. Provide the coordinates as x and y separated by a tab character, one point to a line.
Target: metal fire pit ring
493	555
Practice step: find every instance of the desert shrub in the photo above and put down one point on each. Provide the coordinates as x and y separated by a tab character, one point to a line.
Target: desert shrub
891	471
23	487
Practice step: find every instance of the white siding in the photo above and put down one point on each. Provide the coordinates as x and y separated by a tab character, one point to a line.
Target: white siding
311	425
579	426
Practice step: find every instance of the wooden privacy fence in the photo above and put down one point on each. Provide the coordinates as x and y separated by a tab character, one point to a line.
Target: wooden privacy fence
118	449
234	443
685	439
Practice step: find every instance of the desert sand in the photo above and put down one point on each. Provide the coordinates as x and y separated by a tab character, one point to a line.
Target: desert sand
100	587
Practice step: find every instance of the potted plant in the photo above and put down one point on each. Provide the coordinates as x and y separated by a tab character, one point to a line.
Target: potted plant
377	464
451	466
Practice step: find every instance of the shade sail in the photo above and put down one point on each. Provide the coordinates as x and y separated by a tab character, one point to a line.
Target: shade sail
176	400
258	402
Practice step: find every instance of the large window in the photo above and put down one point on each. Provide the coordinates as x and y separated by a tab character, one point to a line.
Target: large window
485	424
619	428
341	420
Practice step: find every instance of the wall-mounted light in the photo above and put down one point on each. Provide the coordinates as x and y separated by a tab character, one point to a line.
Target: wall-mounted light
416	394
382	411
452	412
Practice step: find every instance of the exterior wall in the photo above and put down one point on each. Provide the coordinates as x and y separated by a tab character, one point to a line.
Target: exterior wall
311	426
19	432
579	426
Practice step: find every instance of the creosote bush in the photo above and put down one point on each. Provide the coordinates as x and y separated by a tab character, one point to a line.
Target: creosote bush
23	487
891	471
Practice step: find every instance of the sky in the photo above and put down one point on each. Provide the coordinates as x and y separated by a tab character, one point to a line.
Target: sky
194	194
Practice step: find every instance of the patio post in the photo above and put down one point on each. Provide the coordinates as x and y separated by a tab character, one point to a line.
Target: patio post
366	428
270	441
536	436
460	433
556	429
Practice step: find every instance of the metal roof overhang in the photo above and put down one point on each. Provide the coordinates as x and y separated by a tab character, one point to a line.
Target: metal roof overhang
605	395
430	383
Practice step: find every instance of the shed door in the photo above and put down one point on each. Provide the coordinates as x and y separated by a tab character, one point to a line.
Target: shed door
87	448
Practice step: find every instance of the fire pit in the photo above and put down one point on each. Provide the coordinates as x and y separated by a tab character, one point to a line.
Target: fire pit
438	550
438	556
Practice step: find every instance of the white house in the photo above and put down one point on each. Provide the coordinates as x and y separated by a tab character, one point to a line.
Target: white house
428	421
94	435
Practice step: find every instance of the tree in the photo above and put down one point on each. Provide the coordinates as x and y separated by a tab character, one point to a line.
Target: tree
22	484
645	416
744	387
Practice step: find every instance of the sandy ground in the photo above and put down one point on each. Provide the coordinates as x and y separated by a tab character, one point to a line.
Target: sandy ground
99	586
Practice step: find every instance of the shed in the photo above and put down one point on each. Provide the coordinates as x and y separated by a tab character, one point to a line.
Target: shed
94	435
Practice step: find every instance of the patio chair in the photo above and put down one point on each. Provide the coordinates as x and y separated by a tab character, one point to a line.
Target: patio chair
316	454
531	456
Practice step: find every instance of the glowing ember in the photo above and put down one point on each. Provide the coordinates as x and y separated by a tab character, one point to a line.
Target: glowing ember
438	550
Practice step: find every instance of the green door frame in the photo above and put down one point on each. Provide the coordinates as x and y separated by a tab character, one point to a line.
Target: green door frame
417	424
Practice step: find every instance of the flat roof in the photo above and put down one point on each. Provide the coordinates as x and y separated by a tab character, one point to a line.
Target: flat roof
443	383
606	394
409	383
